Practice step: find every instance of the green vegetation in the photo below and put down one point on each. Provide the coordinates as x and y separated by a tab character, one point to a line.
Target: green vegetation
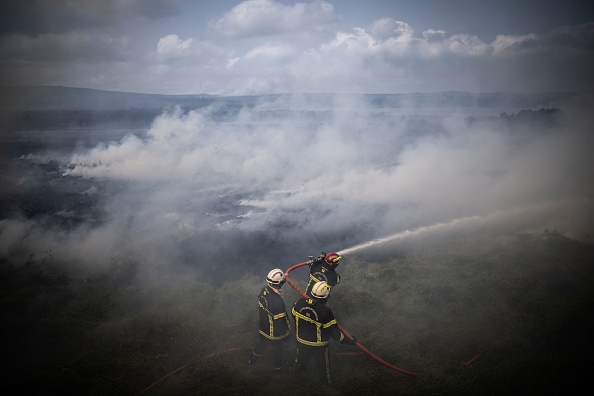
522	302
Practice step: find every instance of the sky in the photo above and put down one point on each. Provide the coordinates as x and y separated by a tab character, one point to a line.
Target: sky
265	46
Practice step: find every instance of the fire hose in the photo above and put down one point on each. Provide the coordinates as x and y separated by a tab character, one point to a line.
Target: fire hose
343	331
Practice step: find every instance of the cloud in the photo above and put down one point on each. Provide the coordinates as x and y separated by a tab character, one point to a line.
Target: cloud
263	46
172	46
268	17
562	39
389	29
269	52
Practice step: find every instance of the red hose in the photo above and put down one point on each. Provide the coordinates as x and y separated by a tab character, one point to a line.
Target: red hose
468	363
162	379
343	331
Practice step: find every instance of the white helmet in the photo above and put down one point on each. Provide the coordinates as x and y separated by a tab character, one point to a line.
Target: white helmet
320	290
276	277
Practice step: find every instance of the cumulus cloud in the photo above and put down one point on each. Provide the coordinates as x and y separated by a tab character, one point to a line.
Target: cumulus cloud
268	17
265	46
505	43
389	29
270	52
172	45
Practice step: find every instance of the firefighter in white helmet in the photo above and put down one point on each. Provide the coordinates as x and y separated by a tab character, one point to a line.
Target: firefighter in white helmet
314	326
274	321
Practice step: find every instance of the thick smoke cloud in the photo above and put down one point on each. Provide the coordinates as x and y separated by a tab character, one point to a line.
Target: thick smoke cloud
281	180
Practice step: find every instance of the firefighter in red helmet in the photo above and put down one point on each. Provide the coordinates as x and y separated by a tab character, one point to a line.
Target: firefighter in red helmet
323	269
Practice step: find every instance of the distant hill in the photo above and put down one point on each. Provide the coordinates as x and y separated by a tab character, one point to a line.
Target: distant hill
64	98
466	99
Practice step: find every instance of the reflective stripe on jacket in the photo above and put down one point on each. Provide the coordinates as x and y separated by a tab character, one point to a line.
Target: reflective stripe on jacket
274	321
314	323
322	271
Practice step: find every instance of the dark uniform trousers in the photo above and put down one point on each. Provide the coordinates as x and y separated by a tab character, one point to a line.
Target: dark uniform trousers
314	327
321	357
276	349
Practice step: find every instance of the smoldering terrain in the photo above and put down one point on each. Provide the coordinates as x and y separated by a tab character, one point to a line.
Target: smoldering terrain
136	231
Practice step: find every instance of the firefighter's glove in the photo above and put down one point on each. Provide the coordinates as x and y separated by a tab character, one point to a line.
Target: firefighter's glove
349	341
311	260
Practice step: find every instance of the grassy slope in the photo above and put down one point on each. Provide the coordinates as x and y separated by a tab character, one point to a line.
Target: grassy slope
522	302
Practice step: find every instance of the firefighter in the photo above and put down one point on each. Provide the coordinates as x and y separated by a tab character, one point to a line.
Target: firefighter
314	326
274	321
323	269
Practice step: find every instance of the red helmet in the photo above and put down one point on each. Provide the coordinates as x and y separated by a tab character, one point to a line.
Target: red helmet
333	258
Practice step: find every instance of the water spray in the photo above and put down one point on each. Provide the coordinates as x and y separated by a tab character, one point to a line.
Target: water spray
414	233
504	218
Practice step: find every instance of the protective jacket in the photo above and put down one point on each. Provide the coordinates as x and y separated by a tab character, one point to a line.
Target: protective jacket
274	321
314	323
320	270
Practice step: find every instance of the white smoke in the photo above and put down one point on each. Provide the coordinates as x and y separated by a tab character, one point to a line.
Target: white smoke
298	177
